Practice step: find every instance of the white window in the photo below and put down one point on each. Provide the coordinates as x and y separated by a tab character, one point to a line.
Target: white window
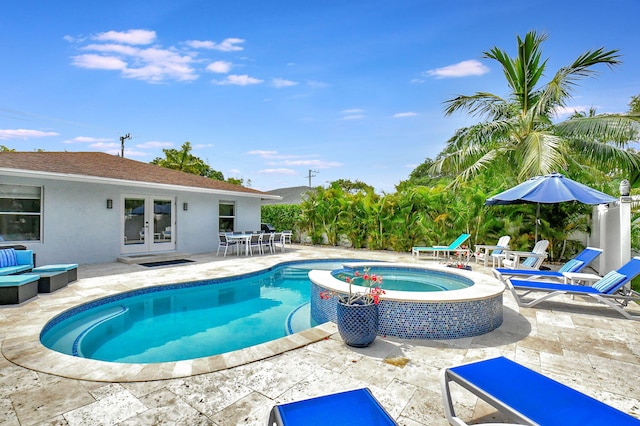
226	216
20	213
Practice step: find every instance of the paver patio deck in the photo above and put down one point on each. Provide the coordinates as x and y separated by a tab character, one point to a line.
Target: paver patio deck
587	347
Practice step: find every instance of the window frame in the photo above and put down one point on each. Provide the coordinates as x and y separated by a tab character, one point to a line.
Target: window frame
222	217
25	195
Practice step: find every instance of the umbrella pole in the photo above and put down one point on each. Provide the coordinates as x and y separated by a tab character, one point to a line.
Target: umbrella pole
537	219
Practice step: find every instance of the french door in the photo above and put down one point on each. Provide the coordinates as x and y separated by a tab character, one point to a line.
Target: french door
148	224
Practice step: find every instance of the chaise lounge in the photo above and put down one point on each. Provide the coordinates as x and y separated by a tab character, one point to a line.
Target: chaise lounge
351	408
577	264
527	397
612	289
445	250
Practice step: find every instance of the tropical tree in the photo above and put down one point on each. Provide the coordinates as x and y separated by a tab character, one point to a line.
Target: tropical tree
518	135
183	160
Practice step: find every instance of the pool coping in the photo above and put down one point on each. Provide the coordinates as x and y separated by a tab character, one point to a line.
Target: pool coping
27	351
484	287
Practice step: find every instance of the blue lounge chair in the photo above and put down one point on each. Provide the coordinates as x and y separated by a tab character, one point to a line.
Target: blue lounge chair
612	289
577	264
355	407
528	397
445	250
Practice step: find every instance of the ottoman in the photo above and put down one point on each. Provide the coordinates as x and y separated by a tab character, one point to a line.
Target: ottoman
52	281
70	268
18	288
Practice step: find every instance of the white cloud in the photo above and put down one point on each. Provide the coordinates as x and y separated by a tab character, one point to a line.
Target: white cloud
99	62
203	145
568	110
404	114
461	69
127	37
239	80
354	117
87	139
281	82
227	45
318	164
281	171
154	144
221	67
351	111
103	146
262	153
24	134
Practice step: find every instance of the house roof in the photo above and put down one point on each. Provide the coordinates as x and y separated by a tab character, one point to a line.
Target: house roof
291	195
105	168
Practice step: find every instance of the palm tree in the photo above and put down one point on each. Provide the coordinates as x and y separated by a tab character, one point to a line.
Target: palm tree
518	133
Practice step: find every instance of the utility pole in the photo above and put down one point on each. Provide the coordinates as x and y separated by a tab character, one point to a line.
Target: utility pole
312	175
122	139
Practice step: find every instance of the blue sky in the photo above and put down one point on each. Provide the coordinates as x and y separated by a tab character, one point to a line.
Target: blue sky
268	90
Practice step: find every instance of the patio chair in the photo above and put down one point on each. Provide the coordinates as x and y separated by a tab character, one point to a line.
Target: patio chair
224	242
278	241
612	289
577	264
255	242
531	259
354	408
444	250
267	241
287	236
526	396
483	252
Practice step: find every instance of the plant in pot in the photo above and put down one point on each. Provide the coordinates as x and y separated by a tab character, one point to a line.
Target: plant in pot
357	311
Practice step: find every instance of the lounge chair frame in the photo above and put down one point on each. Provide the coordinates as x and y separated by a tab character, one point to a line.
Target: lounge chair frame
586	256
444	250
617	298
526	396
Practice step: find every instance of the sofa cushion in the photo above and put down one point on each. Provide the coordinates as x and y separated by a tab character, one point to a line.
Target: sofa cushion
8	258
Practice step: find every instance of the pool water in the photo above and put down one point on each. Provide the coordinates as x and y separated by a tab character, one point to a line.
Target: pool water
186	321
407	279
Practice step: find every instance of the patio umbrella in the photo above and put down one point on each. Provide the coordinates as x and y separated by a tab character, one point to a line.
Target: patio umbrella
549	189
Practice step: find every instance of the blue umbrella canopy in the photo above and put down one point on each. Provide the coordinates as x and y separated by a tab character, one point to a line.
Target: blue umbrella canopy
550	189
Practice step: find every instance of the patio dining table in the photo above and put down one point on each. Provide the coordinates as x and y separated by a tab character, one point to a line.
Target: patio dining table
241	239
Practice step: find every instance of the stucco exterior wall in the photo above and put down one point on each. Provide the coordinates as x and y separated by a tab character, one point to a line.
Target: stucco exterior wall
77	227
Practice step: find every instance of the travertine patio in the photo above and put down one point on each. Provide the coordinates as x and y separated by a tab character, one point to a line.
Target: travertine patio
585	346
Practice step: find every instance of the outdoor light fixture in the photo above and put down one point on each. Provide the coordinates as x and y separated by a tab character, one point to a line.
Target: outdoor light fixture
109	203
624	188
185	206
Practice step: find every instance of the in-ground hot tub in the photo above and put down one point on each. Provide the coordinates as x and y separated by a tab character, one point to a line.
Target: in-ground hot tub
471	306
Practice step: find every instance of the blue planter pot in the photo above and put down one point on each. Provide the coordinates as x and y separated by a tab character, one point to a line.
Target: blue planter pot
357	323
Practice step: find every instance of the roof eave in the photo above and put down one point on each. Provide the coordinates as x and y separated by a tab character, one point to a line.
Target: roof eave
111	181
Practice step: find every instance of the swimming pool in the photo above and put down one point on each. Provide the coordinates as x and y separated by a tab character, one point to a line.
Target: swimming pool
406	278
189	320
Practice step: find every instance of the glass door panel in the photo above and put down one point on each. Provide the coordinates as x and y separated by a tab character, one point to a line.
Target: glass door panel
147	225
134	221
162	223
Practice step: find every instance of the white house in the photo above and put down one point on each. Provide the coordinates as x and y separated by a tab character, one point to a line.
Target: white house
90	207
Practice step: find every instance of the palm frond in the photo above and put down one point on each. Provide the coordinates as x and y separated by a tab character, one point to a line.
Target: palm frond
615	128
542	153
480	104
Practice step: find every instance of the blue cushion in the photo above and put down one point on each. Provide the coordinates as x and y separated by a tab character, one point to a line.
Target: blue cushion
608	282
8	258
529	261
571	266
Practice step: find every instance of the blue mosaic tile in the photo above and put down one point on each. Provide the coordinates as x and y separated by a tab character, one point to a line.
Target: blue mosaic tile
424	320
